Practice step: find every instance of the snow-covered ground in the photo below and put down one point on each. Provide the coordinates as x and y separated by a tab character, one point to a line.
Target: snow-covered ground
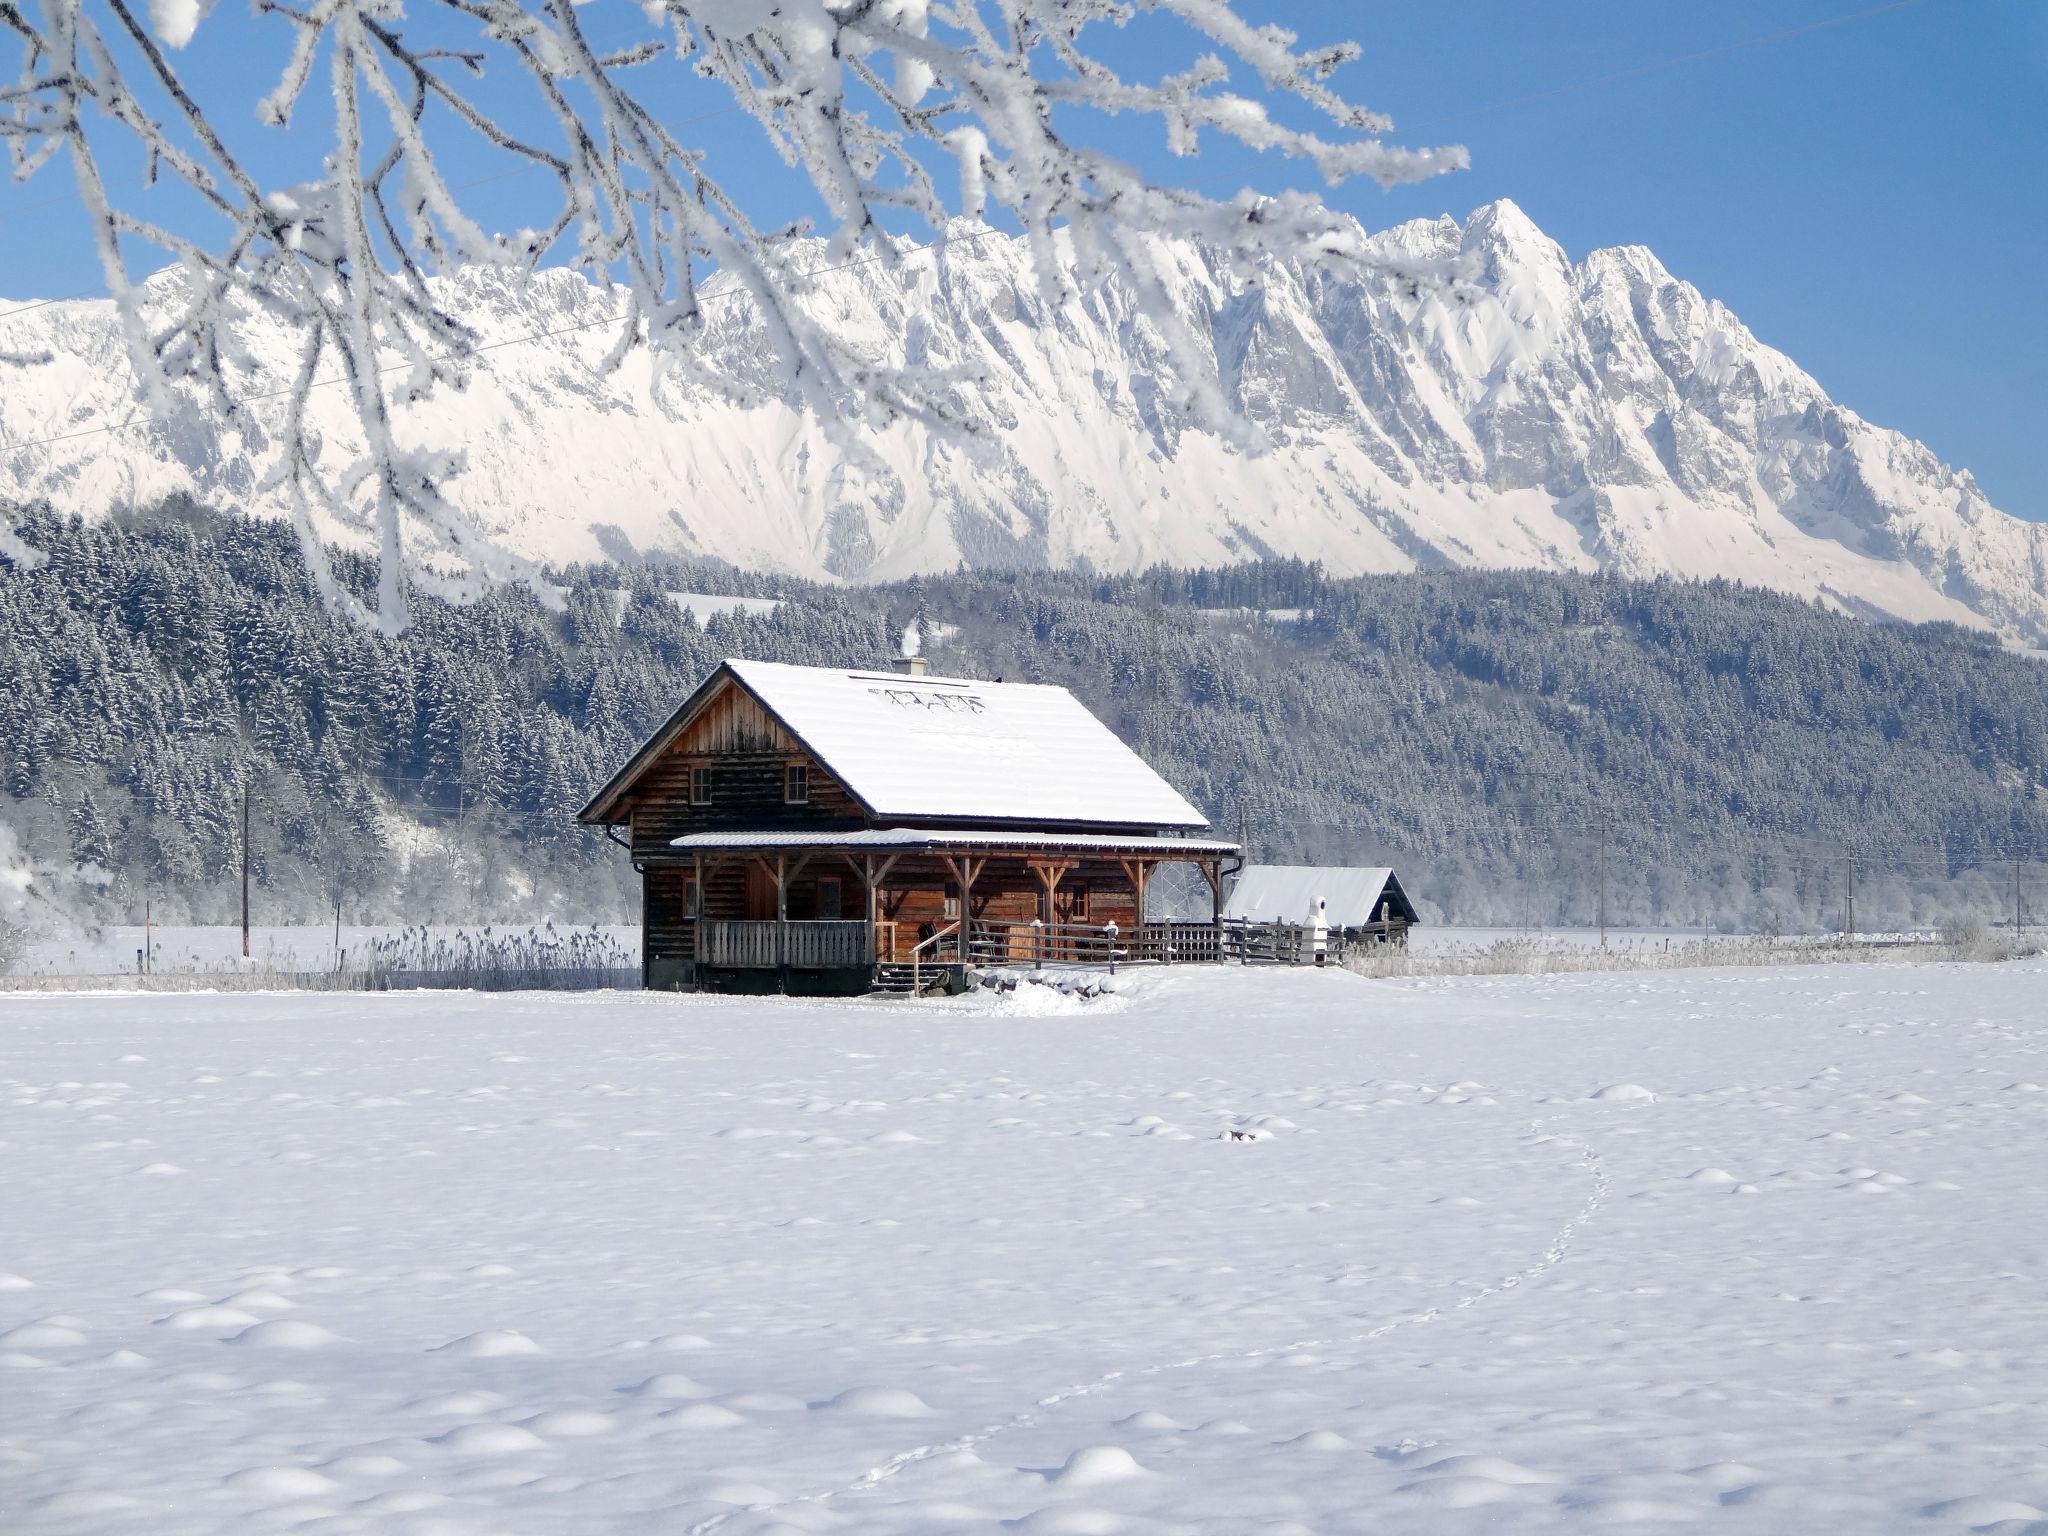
1734	1250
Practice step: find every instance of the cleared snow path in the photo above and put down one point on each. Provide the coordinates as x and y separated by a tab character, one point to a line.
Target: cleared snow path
1749	1251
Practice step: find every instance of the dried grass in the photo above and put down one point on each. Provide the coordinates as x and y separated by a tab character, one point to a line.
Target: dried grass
1550	957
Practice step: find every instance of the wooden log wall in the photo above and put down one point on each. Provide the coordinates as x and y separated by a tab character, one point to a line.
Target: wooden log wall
747	753
668	935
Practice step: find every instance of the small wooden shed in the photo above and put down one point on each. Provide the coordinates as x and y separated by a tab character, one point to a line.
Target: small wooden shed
812	829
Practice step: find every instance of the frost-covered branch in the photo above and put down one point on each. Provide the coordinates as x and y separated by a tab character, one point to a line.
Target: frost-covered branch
868	100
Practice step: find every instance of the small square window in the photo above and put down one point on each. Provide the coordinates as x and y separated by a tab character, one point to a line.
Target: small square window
796	784
700	786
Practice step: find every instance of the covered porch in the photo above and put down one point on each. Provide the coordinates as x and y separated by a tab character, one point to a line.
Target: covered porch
839	910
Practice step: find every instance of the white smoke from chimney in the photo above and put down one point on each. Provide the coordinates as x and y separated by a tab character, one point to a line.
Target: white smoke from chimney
913	643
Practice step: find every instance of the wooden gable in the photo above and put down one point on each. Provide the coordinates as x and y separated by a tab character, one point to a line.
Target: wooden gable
746	754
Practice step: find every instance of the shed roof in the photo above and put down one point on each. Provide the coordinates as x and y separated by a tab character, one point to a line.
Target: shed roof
1287	893
913	747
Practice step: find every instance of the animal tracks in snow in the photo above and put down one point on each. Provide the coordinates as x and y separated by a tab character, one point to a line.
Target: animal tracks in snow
1111	1463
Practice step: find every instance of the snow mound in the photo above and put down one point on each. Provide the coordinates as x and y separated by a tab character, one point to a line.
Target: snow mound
571	1423
489	1440
492	1344
220	1318
1320	1440
1624	1093
668	1384
280	1482
457	1405
285	1335
1493	1468
702	1416
880	1403
1096	1464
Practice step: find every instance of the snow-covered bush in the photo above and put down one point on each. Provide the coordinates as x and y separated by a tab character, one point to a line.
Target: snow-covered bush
896	115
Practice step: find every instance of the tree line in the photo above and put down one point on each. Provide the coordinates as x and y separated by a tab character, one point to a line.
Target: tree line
1528	748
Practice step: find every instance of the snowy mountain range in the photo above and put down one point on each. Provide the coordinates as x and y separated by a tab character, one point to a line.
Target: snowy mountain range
1538	412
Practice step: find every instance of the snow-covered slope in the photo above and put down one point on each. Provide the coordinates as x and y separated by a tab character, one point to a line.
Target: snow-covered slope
1599	414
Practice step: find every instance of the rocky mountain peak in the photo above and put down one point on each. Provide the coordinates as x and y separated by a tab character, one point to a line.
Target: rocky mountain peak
1528	410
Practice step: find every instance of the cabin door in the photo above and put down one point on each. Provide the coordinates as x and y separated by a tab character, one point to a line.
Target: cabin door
760	894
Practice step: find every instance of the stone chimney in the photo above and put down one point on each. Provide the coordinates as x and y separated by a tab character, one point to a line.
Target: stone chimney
910	666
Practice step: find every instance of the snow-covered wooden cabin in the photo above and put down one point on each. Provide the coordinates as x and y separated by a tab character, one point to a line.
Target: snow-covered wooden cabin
1357	904
812	829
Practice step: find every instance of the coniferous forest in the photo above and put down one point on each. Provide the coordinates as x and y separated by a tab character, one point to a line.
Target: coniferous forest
1516	743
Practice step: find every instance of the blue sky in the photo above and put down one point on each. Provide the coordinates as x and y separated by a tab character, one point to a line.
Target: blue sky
1871	198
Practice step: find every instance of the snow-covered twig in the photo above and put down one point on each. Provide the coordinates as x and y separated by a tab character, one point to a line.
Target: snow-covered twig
866	99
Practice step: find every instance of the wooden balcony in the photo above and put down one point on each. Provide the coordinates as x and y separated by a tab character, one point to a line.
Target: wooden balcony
768	946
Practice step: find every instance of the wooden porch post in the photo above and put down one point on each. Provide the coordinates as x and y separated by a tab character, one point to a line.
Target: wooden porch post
781	923
871	877
695	914
1049	876
1212	871
965	872
1139	873
867	875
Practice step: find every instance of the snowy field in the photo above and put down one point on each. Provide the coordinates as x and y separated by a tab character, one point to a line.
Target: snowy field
1733	1250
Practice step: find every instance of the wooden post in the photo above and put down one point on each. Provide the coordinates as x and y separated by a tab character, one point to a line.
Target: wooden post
781	923
1212	871
872	875
148	941
1139	873
966	871
867	877
694	911
1049	876
245	869
1852	895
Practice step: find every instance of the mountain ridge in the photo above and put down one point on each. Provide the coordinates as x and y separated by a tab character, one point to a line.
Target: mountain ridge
1535	412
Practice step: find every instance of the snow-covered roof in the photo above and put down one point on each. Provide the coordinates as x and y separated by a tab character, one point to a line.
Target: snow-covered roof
1287	893
951	747
913	748
889	839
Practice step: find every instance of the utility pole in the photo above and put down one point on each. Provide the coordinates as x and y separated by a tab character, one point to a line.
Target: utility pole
1849	894
2019	921
245	869
1603	882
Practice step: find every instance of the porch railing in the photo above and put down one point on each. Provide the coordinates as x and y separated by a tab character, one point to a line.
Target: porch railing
1042	944
765	945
